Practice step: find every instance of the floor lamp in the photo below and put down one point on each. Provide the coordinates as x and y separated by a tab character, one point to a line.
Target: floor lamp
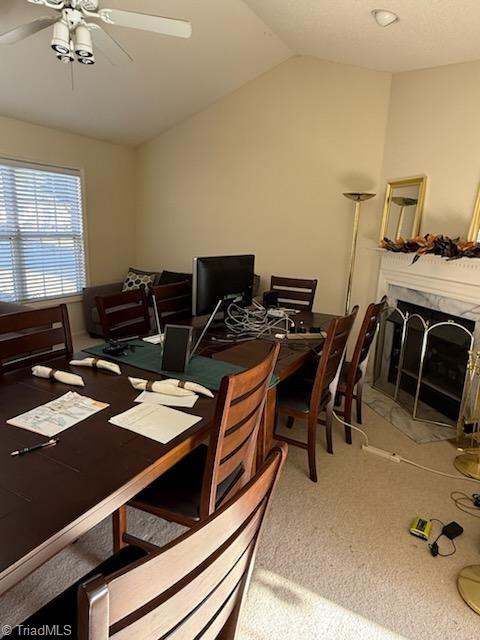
403	203
468	463
358	198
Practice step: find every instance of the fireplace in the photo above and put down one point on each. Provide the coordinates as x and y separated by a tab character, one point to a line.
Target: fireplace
421	360
432	323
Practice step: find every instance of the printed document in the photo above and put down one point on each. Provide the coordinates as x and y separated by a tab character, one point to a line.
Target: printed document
54	417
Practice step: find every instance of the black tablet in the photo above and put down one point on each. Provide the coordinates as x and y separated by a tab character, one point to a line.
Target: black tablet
176	347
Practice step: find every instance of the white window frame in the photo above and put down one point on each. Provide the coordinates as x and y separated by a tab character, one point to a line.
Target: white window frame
74	171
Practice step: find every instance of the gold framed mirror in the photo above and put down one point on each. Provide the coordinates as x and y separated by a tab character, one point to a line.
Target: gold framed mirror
474	230
403	208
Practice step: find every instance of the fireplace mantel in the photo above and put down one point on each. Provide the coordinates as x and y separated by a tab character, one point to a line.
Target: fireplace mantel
454	279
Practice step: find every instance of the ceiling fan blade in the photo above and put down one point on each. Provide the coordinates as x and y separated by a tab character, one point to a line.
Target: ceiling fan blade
146	22
108	46
26	30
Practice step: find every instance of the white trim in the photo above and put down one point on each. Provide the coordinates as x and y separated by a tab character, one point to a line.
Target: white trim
454	279
38	166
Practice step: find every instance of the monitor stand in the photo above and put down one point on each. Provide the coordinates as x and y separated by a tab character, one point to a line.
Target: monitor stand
211	322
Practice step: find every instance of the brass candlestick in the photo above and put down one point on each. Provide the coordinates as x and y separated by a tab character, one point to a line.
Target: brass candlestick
358	198
403	203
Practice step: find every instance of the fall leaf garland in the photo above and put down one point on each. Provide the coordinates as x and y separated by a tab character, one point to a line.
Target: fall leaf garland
439	245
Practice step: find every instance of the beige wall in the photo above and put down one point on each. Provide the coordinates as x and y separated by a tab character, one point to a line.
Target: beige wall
434	129
109	192
263	171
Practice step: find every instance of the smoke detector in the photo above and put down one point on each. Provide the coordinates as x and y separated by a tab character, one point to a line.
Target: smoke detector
384	18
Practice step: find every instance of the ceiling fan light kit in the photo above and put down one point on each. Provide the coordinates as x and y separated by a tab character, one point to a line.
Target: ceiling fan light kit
72	31
61	38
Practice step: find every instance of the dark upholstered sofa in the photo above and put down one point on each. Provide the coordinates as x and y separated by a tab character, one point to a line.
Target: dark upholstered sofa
90	313
11	307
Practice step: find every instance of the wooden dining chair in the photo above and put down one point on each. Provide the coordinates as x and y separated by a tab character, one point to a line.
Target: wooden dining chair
124	314
294	293
174	301
32	336
191	589
304	398
352	375
208	476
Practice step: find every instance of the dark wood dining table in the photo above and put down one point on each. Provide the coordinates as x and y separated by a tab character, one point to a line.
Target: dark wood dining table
49	498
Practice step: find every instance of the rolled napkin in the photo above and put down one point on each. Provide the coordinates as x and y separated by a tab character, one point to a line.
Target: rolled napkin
190	386
60	376
95	363
159	386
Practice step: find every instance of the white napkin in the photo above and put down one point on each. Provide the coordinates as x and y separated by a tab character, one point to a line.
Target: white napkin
160	386
191	386
95	363
60	376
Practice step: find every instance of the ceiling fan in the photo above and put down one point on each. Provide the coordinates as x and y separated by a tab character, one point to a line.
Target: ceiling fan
73	29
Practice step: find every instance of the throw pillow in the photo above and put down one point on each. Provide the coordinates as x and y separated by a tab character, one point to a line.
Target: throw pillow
136	280
171	277
155	274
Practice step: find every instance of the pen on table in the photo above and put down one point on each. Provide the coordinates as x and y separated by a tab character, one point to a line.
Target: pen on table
45	445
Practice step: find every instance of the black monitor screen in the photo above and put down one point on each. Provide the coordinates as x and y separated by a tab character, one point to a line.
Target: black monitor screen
221	278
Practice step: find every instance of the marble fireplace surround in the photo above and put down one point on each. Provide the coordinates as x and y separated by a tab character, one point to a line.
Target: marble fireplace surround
452	287
433	282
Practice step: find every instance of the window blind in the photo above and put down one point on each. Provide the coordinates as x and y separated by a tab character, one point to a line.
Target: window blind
42	252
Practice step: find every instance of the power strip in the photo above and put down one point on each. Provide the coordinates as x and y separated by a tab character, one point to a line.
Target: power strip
381	453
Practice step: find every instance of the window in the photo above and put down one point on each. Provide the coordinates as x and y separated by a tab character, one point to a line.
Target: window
42	252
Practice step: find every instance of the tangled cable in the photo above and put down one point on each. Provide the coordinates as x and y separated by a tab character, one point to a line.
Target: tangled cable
254	322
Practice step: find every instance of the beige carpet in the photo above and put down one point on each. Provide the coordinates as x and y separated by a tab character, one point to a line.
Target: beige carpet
336	560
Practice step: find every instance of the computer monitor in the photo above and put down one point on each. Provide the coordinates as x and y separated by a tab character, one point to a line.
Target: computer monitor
221	278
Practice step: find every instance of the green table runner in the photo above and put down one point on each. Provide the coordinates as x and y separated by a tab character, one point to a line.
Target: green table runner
204	371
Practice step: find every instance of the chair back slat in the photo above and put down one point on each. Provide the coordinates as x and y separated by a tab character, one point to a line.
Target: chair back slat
29	337
39	341
295	293
244	406
331	360
241	396
202	593
194	586
365	338
120	316
124	314
238	434
173	300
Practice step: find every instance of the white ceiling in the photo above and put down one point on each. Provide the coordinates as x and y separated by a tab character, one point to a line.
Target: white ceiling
430	32
170	78
233	41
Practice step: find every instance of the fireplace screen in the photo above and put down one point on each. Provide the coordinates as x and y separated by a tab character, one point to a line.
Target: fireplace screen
421	361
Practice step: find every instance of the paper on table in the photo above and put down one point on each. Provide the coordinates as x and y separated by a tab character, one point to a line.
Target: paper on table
169	401
158	339
155	421
54	417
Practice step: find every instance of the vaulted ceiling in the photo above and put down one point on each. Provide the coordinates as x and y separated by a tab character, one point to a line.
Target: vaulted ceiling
170	78
233	42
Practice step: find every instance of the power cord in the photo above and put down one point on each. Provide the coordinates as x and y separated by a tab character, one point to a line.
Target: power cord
467	504
433	546
254	322
352	426
451	530
395	457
